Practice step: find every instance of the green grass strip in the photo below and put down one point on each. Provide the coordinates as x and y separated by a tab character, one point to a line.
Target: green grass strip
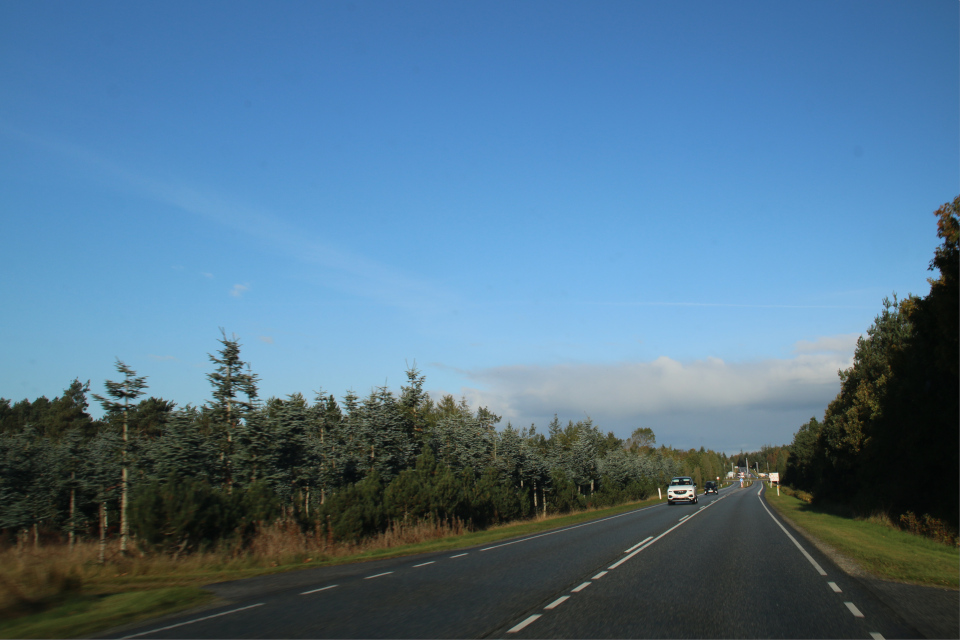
878	549
83	615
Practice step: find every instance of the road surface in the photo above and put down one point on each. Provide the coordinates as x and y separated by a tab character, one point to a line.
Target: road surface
724	568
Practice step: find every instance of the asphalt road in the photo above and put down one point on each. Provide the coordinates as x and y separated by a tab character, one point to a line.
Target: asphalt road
724	568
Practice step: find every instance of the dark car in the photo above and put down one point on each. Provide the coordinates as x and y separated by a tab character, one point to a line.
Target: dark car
710	487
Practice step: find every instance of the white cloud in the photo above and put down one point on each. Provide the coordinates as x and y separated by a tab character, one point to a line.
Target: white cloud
206	274
239	289
688	399
844	343
266	339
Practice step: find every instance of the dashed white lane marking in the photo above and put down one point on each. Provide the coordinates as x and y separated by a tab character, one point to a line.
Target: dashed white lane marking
556	603
679	524
423	564
581	587
802	550
853	609
876	636
459	555
683	518
585	524
836	589
180	624
523	624
385	573
637	545
303	593
599	575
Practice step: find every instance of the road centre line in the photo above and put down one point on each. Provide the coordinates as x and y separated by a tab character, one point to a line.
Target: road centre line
304	593
637	545
684	520
581	587
385	573
585	524
423	564
802	550
459	555
180	624
853	609
876	636
836	589
599	575
523	624
556	603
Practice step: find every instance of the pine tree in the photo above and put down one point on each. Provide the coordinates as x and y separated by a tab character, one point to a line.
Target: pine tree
120	394
229	381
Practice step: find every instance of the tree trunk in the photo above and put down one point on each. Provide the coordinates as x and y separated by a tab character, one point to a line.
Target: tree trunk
36	536
73	510
103	532
123	487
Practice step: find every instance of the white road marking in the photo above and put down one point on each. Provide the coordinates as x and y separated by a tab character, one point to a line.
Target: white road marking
180	624
637	545
459	555
581	587
683	518
802	550
303	593
423	564
385	573
625	558
599	575
585	524
876	636
853	609
556	603
836	589
523	624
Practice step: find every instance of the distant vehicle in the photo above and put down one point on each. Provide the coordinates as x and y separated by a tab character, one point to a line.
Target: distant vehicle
710	487
682	488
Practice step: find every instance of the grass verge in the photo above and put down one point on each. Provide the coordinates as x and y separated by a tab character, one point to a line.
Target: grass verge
80	616
131	589
875	547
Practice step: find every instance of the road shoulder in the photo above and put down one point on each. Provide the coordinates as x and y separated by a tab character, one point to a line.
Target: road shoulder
932	611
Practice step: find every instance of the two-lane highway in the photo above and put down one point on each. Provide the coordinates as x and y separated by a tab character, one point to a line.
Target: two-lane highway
725	567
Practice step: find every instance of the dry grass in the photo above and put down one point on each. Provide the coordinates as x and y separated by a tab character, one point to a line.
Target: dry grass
35	578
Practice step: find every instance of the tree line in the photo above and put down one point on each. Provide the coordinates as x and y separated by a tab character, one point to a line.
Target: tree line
179	479
889	441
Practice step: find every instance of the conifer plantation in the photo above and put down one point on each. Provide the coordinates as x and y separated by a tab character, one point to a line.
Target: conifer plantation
167	480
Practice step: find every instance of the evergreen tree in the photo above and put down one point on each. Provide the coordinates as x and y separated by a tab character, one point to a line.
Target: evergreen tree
120	394
229	381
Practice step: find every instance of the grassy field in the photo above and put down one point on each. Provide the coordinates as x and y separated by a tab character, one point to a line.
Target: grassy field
54	592
873	544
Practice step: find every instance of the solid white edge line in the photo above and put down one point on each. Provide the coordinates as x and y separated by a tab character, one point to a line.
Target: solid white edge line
638	544
802	550
556	603
459	555
836	589
853	609
581	587
385	573
599	575
423	564
303	593
180	624
524	623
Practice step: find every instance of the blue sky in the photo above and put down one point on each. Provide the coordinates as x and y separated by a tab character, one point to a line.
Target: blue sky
671	215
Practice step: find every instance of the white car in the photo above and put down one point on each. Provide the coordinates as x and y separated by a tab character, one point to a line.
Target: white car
682	488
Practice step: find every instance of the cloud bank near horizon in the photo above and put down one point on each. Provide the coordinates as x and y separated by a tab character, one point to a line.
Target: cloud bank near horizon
709	402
